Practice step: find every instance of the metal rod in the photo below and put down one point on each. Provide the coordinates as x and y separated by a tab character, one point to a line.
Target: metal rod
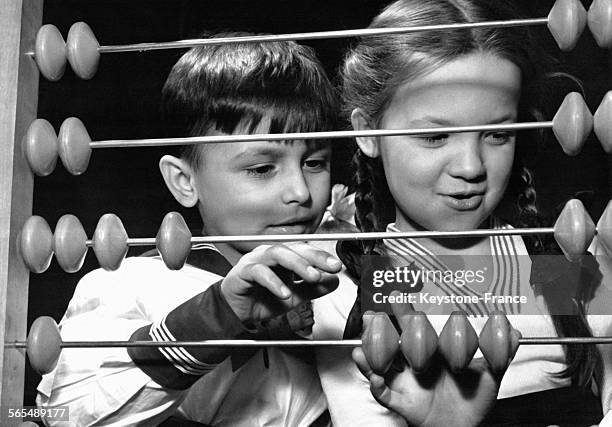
151	241
182	44
217	139
290	343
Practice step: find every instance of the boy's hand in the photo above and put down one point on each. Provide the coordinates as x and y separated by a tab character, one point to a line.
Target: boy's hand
263	283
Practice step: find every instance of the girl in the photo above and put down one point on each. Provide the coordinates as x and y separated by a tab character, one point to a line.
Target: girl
459	181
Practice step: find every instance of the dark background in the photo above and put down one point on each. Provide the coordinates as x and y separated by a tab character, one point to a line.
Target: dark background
121	102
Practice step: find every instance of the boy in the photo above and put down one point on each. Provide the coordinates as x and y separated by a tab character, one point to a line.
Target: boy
228	291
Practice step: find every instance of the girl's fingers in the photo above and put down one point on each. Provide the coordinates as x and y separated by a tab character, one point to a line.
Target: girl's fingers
515	335
400	310
379	389
362	362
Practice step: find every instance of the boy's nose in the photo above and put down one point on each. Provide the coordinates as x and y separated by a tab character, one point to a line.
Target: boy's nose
467	162
295	188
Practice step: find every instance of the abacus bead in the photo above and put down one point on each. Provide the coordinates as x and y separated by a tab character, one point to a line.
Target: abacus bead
82	50
574	230
110	242
40	147
602	123
566	22
572	123
36	244
174	241
44	345
50	51
604	227
600	22
74	148
458	341
379	342
70	243
498	341
419	340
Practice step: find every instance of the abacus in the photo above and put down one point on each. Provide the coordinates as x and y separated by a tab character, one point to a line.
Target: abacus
34	148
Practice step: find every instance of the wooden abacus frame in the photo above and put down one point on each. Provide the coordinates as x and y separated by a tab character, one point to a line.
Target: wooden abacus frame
19	22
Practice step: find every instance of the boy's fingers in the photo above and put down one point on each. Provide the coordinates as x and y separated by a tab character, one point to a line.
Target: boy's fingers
316	257
306	291
266	278
288	295
282	256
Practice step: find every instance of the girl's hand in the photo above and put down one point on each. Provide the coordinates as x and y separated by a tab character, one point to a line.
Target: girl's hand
436	396
271	280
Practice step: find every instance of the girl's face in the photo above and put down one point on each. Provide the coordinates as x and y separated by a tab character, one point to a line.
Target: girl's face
450	181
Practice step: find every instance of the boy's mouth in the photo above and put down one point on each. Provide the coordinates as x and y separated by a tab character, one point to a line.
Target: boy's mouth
299	226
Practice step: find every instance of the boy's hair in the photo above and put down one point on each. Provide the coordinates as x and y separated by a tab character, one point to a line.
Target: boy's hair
375	68
221	87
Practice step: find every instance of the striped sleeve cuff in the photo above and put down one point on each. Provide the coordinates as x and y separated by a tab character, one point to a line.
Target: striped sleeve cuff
204	317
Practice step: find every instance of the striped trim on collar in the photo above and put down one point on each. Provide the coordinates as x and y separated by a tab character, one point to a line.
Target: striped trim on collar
505	275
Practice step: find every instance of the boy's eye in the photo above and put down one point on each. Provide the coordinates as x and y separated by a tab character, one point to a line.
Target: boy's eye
434	140
498	138
316	163
261	170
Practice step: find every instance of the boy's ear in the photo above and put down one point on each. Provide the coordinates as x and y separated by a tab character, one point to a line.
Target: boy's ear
178	176
367	144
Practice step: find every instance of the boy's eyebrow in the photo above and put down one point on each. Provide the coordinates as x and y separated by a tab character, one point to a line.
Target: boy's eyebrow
253	151
275	150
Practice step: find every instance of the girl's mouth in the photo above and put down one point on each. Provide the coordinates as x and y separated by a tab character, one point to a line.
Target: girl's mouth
464	202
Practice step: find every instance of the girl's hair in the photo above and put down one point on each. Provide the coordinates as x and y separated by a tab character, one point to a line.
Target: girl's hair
377	66
222	87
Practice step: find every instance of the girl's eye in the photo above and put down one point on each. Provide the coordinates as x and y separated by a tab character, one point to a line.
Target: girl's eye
498	138
261	170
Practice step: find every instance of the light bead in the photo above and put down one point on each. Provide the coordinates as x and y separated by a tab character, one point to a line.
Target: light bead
70	243
574	230
173	241
380	341
82	50
458	341
110	242
44	345
36	244
573	123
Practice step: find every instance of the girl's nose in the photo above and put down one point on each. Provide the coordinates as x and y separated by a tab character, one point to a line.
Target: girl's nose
467	162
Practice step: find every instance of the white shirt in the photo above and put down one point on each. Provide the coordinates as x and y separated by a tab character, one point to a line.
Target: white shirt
103	386
347	390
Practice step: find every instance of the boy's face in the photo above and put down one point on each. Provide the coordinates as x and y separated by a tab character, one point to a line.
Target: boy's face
253	188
